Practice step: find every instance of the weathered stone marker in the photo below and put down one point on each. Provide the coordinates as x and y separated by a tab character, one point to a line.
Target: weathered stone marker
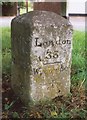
41	53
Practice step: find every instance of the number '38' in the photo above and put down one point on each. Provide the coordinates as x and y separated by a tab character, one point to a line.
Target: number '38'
51	54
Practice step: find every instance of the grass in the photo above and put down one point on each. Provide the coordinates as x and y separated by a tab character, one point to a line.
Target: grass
6	50
78	57
0	51
6	39
66	107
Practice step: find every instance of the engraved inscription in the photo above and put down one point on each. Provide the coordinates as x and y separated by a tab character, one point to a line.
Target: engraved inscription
52	43
51	56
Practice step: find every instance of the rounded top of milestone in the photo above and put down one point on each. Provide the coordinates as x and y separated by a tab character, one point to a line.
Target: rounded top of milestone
42	17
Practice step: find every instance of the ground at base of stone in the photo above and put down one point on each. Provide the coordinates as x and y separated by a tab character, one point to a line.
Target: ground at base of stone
73	106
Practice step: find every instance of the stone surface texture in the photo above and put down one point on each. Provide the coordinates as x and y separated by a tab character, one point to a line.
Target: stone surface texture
41	56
